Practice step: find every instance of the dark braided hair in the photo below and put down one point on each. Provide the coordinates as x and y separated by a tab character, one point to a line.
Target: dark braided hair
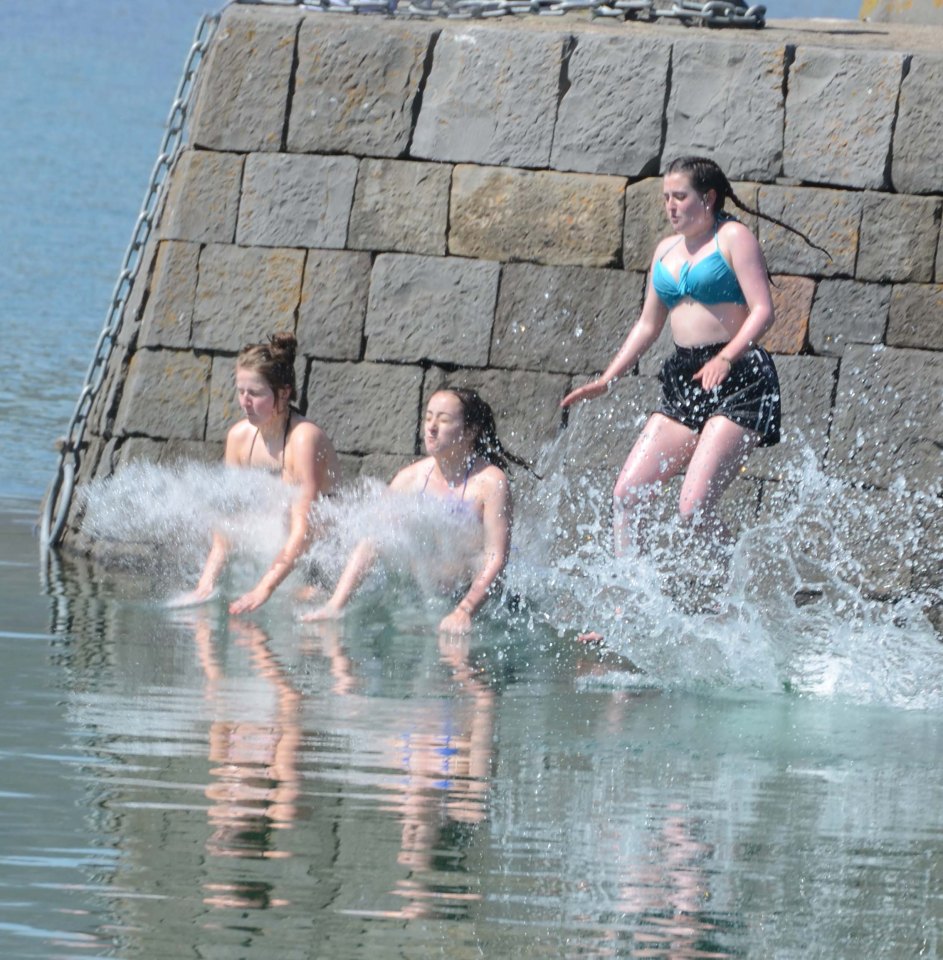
705	175
275	361
479	416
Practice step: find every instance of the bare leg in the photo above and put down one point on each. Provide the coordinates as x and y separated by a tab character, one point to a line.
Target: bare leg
721	450
662	450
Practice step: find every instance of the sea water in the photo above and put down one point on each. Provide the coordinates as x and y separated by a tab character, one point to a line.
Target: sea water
750	778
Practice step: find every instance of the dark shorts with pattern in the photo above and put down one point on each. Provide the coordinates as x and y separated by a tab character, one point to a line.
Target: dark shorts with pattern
749	396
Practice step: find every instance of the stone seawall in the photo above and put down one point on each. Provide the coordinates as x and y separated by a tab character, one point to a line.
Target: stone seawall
422	201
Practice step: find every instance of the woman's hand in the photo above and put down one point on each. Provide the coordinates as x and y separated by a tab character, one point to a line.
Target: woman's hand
252	600
589	391
714	372
458	621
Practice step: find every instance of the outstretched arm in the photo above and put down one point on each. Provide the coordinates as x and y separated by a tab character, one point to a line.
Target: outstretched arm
496	521
643	334
310	456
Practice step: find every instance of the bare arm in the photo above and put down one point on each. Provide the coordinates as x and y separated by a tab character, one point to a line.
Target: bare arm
361	560
310	452
643	334
496	527
219	551
749	265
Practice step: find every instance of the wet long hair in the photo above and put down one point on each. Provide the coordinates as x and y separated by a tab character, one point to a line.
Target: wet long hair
478	416
274	361
705	175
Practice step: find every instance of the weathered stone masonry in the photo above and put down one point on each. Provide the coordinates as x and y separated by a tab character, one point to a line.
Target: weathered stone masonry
422	200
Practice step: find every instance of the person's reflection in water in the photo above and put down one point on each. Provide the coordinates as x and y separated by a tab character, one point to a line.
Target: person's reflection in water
441	797
254	738
661	896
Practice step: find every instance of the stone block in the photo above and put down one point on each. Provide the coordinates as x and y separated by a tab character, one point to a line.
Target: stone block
375	466
645	222
651	362
167	452
747	193
726	102
296	201
431	308
166	395
846	312
916	316
877	544
840	108
526	404
367	407
898	238
545	217
829	218
792	306
928	557
401	206
566	319
244	294
333	304
242	98
224	409
491	97
168	313
887	423
917	161
132	314
203	198
807	385
356	85
597	132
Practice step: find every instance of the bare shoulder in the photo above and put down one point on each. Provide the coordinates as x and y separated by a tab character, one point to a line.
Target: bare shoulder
411	478
307	432
737	236
492	480
238	440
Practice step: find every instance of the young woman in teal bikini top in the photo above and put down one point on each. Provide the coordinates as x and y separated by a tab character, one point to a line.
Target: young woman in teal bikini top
719	305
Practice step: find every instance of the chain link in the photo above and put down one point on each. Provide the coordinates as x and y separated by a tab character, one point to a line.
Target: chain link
713	13
59	495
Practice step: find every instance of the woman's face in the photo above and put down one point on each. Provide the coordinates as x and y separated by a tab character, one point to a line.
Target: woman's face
255	396
444	430
689	211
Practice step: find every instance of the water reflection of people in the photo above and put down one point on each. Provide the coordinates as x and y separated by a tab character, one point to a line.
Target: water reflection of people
445	757
253	750
465	469
720	392
275	437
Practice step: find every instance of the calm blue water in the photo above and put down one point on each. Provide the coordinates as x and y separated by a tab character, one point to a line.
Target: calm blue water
185	785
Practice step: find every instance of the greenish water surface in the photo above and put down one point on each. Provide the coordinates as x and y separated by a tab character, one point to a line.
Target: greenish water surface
179	785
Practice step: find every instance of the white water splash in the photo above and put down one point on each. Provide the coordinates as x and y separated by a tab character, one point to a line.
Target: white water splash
798	604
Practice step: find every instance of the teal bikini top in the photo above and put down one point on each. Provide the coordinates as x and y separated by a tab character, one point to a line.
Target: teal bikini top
708	281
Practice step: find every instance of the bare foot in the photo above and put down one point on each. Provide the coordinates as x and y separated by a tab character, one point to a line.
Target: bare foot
590	637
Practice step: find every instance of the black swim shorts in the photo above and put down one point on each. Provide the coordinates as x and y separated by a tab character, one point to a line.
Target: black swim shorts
749	396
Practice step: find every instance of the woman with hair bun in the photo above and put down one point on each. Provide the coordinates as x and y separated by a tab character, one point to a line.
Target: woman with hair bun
275	437
465	471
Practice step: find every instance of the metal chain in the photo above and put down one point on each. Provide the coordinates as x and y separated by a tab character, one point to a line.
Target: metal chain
713	13
59	495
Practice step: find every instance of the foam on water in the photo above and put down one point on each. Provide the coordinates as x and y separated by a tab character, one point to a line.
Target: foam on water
791	606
